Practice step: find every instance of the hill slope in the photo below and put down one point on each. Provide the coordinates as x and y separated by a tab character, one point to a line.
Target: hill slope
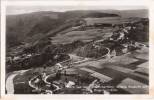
25	26
34	26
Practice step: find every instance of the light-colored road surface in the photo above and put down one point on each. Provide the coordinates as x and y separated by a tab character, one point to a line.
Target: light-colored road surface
118	69
9	84
9	81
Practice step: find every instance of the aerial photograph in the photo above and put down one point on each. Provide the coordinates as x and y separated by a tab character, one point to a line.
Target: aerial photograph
73	50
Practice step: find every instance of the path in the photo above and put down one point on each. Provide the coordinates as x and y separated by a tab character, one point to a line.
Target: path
9	81
9	84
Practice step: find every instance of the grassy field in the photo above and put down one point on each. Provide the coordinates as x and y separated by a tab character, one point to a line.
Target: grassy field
81	35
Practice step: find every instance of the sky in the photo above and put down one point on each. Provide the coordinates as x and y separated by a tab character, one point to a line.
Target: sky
11	10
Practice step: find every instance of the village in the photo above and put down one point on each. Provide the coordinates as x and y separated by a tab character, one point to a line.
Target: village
58	72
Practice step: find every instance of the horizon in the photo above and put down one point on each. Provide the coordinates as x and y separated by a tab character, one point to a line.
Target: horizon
17	10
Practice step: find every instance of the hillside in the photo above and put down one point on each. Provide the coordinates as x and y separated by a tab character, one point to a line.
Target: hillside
77	52
142	13
22	26
32	26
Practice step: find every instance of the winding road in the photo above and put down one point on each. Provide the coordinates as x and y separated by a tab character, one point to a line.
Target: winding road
9	82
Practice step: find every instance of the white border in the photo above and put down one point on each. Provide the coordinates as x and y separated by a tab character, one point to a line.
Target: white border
147	3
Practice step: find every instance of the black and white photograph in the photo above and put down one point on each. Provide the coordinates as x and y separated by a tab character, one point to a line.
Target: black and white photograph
77	50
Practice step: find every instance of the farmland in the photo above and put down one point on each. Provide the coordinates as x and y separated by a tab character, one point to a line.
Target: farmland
77	52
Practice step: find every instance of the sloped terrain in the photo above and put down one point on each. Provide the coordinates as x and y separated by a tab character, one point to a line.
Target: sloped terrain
23	27
60	53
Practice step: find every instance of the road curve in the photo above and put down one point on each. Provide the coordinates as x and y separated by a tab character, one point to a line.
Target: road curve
9	81
10	84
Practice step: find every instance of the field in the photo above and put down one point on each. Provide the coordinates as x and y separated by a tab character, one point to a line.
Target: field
87	35
117	72
77	52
